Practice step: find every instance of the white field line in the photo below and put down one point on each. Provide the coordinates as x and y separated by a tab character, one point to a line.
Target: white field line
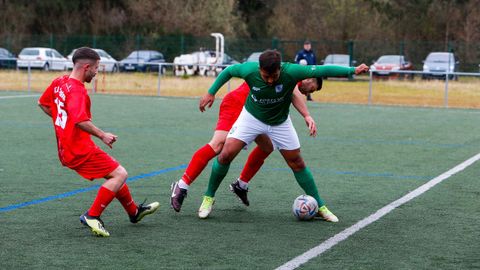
21	96
329	243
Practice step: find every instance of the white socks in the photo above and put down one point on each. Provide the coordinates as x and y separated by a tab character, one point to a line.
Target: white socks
242	184
182	184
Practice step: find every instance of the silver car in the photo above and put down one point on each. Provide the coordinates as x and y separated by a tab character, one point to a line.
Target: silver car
42	58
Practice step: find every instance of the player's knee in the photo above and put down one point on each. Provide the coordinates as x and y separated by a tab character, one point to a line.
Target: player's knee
121	173
296	164
225	158
217	146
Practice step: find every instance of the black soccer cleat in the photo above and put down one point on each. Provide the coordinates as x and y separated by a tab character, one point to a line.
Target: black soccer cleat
144	210
240	192
178	195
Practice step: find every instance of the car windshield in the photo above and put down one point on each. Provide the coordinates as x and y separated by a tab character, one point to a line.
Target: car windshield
438	58
253	57
157	55
389	59
30	52
101	53
139	54
337	59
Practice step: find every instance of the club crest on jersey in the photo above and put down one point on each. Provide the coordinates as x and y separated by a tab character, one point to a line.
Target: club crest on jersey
256	88
279	88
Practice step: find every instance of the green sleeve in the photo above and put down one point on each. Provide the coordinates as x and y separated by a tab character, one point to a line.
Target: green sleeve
300	72
238	70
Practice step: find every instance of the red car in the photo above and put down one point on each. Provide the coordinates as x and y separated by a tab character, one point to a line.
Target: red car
387	63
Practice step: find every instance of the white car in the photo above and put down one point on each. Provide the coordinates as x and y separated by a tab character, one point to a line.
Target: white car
196	63
107	62
43	58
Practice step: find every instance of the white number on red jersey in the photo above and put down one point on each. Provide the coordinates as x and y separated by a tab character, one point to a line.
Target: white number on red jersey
61	120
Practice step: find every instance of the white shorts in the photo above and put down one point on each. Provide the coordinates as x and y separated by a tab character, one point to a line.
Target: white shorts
247	128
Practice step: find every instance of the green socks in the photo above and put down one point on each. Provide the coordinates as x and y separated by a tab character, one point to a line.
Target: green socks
216	177
306	182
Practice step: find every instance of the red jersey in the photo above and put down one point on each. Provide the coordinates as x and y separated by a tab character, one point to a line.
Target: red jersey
231	107
238	96
69	103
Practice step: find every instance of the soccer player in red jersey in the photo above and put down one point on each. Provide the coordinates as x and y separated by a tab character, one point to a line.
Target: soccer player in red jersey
230	109
67	102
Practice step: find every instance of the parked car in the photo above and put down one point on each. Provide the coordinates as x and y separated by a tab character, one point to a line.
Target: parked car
437	63
387	63
43	58
143	60
196	63
107	62
339	60
253	57
7	59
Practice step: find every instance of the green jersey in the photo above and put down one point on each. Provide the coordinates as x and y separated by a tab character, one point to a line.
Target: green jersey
271	103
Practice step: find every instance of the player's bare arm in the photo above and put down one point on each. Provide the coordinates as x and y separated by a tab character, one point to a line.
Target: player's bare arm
46	109
107	138
300	105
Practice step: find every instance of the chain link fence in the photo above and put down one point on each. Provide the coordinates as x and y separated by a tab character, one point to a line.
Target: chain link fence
173	45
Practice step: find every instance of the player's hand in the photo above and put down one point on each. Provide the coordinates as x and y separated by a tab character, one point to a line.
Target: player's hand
109	139
311	125
206	100
361	69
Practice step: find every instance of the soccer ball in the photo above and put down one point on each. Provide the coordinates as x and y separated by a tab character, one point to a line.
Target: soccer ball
305	207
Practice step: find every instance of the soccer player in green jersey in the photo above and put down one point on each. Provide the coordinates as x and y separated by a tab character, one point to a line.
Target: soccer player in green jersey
266	111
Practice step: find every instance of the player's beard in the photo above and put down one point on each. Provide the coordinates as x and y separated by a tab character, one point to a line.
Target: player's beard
89	76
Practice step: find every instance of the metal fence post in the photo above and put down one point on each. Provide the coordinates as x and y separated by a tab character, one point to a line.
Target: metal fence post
446	89
94	84
29	76
159	75
370	88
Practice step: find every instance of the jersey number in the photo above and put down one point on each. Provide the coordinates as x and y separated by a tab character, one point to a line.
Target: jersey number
61	120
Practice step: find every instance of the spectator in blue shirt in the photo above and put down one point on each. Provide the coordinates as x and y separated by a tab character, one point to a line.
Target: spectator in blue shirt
306	57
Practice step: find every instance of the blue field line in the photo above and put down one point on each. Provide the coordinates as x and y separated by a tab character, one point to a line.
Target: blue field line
81	190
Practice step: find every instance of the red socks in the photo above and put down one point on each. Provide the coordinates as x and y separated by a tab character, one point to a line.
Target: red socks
198	162
254	162
103	199
125	198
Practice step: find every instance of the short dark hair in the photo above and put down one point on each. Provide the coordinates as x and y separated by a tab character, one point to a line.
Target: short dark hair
85	53
307	42
270	61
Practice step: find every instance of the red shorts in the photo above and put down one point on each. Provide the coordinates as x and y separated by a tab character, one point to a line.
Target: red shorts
98	165
230	109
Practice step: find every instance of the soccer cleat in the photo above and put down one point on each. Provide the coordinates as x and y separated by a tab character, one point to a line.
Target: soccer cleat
324	213
178	195
95	224
206	207
143	210
240	192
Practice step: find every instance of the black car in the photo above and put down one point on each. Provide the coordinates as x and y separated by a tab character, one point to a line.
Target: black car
7	59
143	60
